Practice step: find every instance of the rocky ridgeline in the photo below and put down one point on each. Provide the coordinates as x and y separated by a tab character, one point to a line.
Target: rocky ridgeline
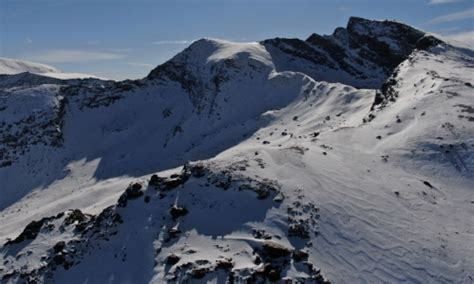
44	126
81	233
39	127
366	51
270	257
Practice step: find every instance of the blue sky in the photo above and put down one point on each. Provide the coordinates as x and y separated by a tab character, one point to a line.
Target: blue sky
121	39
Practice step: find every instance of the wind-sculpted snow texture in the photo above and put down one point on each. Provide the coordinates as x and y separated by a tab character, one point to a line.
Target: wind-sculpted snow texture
345	158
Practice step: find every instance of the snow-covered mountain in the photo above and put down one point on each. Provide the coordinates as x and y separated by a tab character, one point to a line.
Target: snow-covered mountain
14	66
345	158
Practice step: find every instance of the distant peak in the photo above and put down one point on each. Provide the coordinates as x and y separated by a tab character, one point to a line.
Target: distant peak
15	66
381	27
208	43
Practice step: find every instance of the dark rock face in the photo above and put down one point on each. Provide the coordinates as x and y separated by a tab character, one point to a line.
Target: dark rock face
366	51
155	180
299	255
59	246
171	182
199	273
75	216
275	250
30	232
273	275
225	264
132	192
172	259
427	42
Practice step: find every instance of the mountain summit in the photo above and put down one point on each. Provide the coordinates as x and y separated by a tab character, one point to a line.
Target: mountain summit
340	158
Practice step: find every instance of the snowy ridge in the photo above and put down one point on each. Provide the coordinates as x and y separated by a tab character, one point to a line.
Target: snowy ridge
292	178
363	54
13	66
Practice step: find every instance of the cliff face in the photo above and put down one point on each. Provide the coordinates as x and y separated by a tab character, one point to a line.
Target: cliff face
363	54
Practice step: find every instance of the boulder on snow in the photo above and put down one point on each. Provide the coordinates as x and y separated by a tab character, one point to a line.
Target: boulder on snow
177	211
225	264
173	181
155	180
133	191
76	215
275	250
172	259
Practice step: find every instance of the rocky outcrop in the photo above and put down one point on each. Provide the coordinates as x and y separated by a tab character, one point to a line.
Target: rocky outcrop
364	54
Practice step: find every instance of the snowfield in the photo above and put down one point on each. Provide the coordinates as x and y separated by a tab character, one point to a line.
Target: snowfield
346	159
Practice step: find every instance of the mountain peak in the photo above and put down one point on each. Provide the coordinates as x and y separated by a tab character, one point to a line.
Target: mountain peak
400	37
203	55
363	54
15	66
10	66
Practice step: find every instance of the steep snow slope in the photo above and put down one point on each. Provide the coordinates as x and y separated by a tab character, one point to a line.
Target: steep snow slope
292	178
155	116
14	66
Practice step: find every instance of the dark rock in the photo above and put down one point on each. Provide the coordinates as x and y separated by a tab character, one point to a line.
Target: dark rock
274	275
75	216
59	246
173	233
275	250
262	193
147	199
177	211
132	192
30	232
298	230
155	181
257	260
172	259
59	259
427	184
198	170
270	272
427	42
225	264
222	180
199	273
172	182
299	255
